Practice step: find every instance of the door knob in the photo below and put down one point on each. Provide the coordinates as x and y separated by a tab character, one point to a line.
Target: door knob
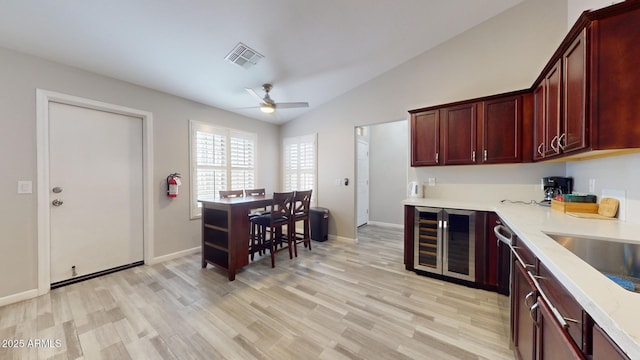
56	202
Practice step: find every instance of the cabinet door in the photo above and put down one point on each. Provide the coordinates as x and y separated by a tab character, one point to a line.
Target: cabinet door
539	121
604	348
523	327
574	129
553	340
553	92
564	303
459	134
425	138
502	131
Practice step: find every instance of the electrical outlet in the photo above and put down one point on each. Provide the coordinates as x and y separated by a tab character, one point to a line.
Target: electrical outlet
592	186
431	181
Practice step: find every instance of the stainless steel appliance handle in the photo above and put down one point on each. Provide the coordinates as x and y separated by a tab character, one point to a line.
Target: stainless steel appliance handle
498	230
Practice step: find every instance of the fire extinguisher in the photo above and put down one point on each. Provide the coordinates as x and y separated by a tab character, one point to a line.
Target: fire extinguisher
173	181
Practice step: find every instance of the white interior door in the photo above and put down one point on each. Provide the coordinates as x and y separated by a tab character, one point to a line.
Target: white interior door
363	183
96	195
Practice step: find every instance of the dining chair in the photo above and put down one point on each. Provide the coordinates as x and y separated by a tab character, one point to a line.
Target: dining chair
226	194
300	212
273	223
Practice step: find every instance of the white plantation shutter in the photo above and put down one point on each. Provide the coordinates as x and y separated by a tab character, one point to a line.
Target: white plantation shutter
299	164
221	159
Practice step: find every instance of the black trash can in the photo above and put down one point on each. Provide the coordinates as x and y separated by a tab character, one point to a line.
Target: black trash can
319	218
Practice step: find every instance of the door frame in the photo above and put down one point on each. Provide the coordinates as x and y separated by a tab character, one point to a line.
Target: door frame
43	98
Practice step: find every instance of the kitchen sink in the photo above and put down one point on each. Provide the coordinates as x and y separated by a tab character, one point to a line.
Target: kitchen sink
619	261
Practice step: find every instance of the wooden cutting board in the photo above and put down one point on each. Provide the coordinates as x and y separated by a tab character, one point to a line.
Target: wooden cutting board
607	210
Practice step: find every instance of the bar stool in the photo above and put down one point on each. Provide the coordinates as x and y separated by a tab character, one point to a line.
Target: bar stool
254	239
279	217
301	206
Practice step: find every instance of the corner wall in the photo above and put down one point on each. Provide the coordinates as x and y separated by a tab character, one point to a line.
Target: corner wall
174	232
505	53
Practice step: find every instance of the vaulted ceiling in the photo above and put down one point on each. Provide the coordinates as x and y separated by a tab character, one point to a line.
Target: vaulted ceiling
314	50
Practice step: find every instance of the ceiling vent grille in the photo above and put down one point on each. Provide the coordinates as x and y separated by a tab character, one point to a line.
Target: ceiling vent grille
244	56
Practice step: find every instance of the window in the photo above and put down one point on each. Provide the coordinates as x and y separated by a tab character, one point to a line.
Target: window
299	164
221	159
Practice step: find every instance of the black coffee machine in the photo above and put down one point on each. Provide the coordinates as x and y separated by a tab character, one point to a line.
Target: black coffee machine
555	185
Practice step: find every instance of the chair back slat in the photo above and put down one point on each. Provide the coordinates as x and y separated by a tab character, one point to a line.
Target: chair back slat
302	201
282	203
231	194
254	192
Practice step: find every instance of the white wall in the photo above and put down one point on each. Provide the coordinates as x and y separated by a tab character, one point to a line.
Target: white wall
174	231
388	161
619	173
505	53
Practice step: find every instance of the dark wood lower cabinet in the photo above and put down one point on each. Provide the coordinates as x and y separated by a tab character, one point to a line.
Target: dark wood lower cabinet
523	297
604	348
553	341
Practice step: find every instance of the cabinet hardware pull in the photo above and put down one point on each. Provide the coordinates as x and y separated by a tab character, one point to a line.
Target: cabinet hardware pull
527	297
555	148
437	158
539	277
572	320
563	136
540	149
533	308
486	155
473	156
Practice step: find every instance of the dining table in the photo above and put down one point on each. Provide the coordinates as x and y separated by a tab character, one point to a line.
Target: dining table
226	231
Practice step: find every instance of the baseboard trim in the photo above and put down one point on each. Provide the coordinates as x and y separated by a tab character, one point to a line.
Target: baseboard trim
159	259
25	295
377	223
342	238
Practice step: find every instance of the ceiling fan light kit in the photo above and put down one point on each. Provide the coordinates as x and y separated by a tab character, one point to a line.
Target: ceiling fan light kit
268	106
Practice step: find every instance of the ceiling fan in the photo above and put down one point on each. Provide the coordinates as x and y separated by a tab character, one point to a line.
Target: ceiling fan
268	106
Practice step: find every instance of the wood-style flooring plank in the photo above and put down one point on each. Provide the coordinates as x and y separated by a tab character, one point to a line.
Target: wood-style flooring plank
341	300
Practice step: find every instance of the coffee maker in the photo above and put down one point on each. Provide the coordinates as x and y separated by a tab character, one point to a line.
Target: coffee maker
555	185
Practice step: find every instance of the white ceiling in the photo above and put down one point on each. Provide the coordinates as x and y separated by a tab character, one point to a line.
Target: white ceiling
314	50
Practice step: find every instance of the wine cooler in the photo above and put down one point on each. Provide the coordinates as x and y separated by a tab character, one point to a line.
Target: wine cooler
445	242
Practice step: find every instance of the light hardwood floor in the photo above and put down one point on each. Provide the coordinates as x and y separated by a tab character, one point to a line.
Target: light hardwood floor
339	301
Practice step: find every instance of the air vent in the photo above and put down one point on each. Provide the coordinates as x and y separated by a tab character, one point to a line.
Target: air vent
244	56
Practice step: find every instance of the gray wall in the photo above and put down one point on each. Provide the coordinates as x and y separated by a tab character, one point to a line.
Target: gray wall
505	53
20	76
388	161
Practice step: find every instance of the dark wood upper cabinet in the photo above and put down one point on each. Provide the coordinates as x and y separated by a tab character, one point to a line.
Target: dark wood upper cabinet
501	130
546	118
615	78
585	99
425	138
459	134
574	135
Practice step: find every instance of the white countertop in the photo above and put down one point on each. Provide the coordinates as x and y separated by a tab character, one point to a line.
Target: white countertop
614	309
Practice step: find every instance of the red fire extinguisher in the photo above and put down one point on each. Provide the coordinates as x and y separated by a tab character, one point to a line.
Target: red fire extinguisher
173	181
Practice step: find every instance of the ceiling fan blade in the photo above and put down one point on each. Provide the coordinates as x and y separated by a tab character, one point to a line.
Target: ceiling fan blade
291	105
255	95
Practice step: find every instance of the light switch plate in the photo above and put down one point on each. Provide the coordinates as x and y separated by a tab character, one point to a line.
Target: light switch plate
25	187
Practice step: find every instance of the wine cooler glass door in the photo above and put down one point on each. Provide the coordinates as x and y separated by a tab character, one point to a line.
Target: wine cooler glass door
428	240
459	244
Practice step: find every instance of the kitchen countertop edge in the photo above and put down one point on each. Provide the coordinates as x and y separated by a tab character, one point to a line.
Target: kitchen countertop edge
611	307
